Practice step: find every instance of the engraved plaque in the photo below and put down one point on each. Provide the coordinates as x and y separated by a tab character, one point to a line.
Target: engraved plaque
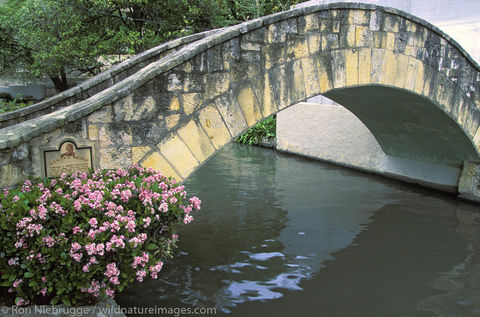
68	159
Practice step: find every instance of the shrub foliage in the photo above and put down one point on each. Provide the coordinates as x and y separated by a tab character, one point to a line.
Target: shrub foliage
13	104
266	129
73	239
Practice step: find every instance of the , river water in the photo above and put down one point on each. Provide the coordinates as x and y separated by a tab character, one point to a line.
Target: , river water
280	235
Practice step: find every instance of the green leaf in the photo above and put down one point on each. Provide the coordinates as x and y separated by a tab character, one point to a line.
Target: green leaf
28	274
6	283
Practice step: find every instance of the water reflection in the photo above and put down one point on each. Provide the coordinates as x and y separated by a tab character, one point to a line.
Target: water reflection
459	286
288	236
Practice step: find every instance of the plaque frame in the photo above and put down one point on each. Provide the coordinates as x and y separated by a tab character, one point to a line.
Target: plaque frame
78	144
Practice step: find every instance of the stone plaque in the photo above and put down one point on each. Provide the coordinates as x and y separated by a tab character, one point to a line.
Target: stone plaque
68	159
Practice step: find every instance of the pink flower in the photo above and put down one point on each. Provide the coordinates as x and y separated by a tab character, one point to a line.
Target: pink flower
17	282
76	230
75	247
140	260
110	292
91	248
13	262
91	234
140	275
187	219
77	205
77	256
44	279
93	223
187	209
42	212
156	268
112	270
146	222
130	226
43	291
114	280
93	289
100	248
126	195
19	243
49	241
195	202
22	302
163	207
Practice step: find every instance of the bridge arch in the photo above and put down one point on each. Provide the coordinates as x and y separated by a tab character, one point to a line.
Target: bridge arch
412	85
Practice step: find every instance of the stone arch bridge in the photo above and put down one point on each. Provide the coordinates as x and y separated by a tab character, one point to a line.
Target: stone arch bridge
413	86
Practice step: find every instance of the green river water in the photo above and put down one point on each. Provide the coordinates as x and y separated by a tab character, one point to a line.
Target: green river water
280	235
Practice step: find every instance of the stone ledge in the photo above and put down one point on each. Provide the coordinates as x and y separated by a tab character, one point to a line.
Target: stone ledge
269	143
10	136
469	184
105	308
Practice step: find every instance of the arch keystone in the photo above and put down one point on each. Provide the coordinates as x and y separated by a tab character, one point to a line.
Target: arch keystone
401	73
310	77
298	87
410	77
338	68
364	65
378	65
351	65
324	64
391	68
390	41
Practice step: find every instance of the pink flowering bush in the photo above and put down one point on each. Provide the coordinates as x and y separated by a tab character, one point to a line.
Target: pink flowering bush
88	235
